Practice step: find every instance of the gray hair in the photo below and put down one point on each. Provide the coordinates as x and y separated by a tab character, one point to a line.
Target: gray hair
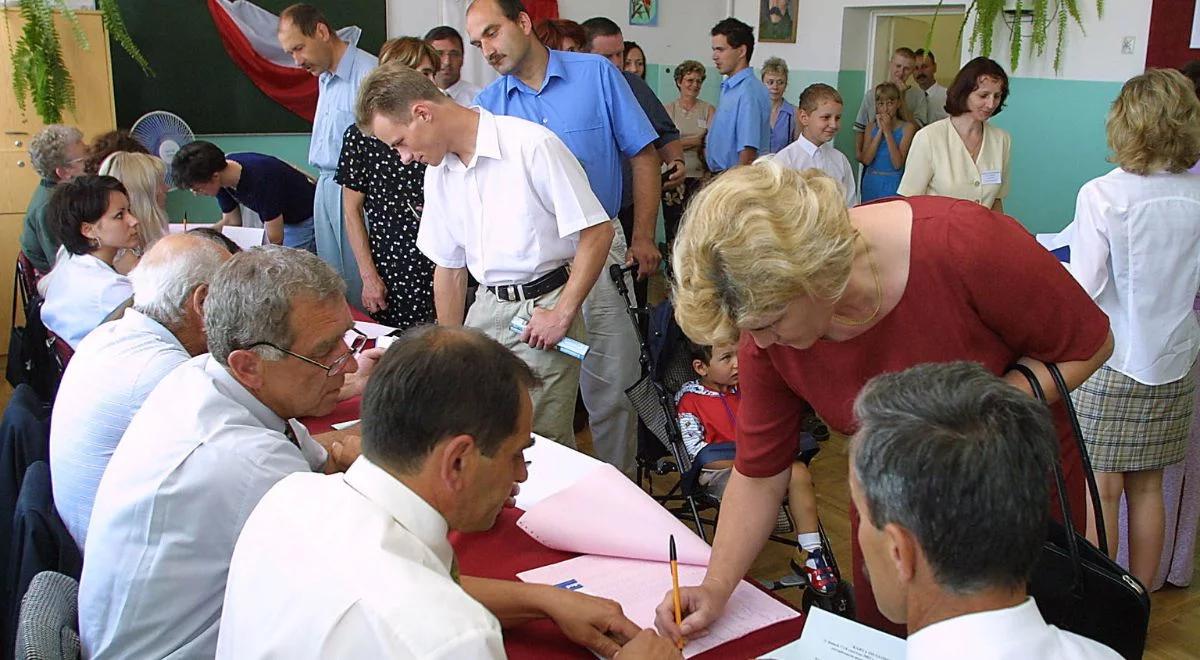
961	459
162	288
48	149
775	65
250	298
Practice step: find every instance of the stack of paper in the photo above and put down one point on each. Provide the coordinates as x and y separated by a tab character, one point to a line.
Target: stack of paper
639	586
828	636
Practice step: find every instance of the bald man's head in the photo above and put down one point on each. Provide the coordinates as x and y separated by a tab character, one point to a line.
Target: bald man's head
171	281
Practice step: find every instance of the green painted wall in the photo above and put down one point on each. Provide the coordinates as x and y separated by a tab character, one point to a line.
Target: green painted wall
292	147
1058	142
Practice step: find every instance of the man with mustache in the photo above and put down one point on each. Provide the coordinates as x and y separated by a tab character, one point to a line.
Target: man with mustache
778	26
306	35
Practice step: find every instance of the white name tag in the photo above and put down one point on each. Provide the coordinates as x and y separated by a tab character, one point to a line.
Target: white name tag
703	123
990	178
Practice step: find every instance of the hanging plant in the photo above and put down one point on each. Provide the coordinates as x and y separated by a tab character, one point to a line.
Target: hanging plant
1043	12
37	60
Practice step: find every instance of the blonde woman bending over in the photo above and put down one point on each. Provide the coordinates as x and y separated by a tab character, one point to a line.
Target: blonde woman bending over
824	298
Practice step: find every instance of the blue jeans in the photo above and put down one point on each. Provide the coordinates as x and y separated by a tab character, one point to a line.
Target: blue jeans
300	236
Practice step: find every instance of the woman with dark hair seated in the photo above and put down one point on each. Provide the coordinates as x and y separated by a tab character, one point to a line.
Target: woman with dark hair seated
90	215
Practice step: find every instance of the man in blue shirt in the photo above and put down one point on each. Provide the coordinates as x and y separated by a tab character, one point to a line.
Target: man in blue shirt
741	128
587	103
340	67
280	194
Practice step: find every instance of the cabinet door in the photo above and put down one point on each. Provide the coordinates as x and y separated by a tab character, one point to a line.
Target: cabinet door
10	231
18	177
91	72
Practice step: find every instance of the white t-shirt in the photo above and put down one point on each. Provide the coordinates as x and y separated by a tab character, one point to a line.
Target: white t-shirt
514	212
802	154
82	292
196	459
1014	633
1136	251
112	372
385	589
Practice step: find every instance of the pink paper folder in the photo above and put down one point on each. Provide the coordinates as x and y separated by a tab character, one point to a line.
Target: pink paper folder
604	513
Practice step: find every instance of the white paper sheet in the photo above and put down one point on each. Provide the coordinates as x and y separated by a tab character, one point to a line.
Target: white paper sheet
373	330
828	636
605	513
552	468
639	587
245	237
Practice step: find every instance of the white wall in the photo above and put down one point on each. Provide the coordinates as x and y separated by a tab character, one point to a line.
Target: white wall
1096	56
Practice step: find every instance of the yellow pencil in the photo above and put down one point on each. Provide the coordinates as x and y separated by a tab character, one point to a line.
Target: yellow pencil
675	590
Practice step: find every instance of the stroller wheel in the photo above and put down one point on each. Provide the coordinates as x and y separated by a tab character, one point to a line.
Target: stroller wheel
840	602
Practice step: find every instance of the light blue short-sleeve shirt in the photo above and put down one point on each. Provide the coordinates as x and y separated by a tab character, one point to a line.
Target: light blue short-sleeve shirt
338	90
742	120
586	101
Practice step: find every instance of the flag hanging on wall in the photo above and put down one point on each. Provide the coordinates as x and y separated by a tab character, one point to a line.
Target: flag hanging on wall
248	33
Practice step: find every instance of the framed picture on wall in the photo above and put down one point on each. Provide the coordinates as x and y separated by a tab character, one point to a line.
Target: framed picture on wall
777	21
643	12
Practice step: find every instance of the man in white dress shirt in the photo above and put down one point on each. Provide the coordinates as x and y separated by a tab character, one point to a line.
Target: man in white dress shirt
449	45
505	199
119	363
935	93
446	418
209	441
948	471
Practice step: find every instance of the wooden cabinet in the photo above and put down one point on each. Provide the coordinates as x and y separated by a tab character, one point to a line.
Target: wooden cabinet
95	113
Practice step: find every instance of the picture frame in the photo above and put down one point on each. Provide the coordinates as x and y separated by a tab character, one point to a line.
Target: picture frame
777	21
643	13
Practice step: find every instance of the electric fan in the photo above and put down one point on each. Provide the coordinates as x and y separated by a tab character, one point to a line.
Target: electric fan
162	133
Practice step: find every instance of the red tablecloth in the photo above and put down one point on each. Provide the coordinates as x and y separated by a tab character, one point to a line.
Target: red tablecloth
506	550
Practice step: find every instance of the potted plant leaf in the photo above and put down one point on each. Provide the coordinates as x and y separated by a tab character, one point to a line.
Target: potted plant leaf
1038	14
37	60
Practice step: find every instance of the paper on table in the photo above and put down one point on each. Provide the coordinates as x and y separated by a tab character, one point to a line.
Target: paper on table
552	468
828	636
639	587
604	513
373	330
179	227
246	237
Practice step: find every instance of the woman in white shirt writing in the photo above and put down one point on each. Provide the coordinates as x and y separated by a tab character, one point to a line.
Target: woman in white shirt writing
1136	251
91	216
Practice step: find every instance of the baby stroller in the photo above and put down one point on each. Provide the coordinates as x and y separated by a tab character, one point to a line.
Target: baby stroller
666	366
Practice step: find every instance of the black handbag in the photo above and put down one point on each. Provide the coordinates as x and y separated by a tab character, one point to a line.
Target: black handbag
1075	585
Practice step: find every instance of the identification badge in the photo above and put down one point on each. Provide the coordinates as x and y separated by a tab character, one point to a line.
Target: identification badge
702	122
990	178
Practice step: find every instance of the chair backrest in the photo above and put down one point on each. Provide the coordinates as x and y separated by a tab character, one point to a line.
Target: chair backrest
48	627
27	277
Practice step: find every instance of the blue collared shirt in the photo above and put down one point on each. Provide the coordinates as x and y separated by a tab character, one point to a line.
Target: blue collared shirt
742	120
335	104
784	128
585	100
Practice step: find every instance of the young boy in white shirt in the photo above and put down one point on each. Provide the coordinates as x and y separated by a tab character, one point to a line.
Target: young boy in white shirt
819	114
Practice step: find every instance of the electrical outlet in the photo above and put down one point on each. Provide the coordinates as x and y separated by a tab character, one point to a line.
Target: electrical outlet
1127	45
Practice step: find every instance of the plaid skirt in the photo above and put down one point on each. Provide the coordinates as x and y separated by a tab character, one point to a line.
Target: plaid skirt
1128	426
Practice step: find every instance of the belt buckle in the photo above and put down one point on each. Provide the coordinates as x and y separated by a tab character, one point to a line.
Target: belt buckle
519	292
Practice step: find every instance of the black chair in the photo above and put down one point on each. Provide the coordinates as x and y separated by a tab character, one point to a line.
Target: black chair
40	542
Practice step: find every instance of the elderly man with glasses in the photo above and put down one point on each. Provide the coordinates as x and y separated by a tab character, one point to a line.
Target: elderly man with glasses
209	441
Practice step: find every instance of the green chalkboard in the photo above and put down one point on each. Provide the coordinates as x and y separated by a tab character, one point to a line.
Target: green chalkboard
195	77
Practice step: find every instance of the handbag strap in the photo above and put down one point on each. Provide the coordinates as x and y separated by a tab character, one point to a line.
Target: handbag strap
1060	481
1089	477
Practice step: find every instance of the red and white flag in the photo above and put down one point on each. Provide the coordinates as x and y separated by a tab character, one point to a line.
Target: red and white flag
248	33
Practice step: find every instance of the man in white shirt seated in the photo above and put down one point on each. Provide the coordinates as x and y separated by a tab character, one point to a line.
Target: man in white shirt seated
119	363
949	472
216	434
449	45
446	419
505	199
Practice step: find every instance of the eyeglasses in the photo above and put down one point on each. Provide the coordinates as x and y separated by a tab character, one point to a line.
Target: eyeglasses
337	366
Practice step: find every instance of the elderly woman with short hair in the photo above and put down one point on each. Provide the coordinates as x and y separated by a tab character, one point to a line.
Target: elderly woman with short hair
692	117
57	154
1136	251
824	298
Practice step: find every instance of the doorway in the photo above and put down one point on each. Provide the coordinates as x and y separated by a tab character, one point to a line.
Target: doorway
895	28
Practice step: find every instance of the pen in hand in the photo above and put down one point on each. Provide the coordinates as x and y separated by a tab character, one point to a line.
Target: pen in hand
675	590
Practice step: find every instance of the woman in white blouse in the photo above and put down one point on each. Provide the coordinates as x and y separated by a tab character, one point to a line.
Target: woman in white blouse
1136	251
91	216
964	155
